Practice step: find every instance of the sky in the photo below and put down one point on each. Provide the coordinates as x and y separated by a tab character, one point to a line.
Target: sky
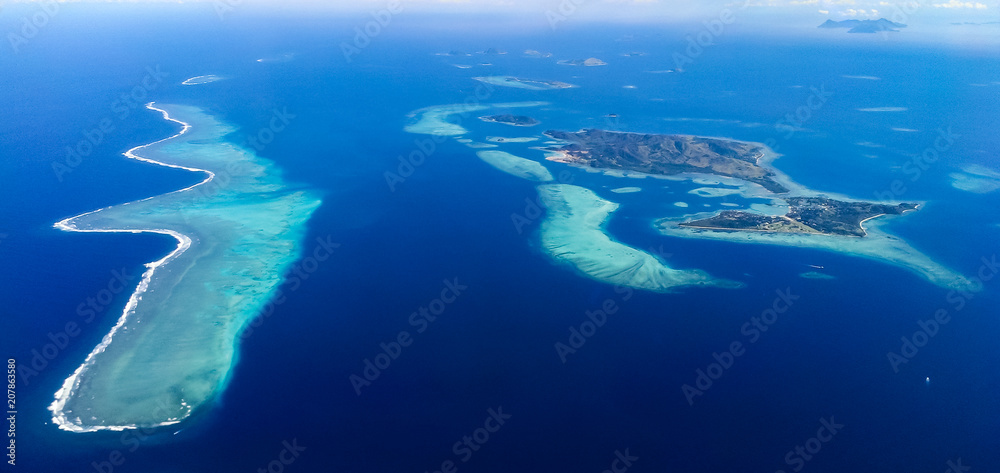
903	11
842	8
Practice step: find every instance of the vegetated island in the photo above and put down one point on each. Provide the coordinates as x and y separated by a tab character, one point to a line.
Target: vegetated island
807	215
665	155
865	26
677	154
513	120
582	62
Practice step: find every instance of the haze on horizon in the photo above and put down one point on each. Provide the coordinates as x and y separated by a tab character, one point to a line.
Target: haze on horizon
648	10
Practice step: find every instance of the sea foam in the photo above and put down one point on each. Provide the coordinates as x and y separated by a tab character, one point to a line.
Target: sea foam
172	348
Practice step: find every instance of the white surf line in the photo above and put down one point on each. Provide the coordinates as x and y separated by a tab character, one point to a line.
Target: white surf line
183	243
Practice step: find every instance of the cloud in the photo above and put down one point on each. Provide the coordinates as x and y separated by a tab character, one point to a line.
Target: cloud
959	4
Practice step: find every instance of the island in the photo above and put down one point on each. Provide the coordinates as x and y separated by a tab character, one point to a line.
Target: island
199	80
513	120
519	83
574	230
668	155
583	62
536	54
864	26
664	155
807	215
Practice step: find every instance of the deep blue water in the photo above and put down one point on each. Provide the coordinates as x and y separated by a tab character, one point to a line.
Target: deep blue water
494	346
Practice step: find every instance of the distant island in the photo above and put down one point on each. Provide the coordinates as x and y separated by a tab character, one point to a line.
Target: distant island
865	26
664	155
514	120
583	62
536	54
202	80
807	215
519	83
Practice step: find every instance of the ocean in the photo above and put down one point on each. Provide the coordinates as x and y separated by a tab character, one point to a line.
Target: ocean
447	228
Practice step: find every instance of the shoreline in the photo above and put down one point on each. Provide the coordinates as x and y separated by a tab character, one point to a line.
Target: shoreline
184	242
765	160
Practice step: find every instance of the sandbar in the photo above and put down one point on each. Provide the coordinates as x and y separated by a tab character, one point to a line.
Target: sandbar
976	179
202	80
516	165
626	190
573	232
519	83
435	120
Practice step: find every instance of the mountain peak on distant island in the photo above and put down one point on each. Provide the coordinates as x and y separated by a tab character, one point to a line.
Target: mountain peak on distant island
864	26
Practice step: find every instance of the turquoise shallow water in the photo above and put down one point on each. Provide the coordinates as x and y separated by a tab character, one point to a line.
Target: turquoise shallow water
238	232
494	346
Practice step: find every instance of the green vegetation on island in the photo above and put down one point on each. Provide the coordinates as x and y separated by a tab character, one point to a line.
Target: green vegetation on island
807	215
677	154
665	155
514	120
